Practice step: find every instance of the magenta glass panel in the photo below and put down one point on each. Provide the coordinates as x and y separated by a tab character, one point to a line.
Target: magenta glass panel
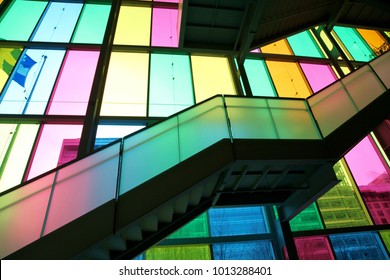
164	27
313	248
318	75
73	87
50	145
372	175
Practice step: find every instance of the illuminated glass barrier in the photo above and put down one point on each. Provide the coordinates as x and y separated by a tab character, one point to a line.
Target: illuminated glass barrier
337	103
67	193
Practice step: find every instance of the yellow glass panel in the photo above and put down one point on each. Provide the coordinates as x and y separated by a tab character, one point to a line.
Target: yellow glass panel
133	27
24	137
288	79
126	86
278	47
345	70
211	76
375	40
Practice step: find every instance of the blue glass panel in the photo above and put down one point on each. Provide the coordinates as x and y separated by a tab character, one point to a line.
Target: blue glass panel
255	250
237	221
358	246
58	22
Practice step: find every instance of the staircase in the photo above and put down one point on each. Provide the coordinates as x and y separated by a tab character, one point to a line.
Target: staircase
127	196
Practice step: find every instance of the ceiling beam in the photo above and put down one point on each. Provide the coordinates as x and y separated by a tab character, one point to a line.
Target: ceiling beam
338	10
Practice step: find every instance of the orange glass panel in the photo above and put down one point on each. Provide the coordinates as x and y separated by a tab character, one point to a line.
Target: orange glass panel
374	40
279	47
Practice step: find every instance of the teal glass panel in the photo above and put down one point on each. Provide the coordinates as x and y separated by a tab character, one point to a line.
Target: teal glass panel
358	246
84	185
354	43
22	214
303	44
92	24
31	96
308	219
293	119
196	228
202	126
58	22
191	252
259	78
254	250
170	88
148	153
313	248
18	22
237	221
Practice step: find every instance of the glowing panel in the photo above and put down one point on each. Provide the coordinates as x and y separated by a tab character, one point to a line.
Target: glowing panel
278	47
133	27
318	75
196	228
32	97
354	43
16	154
253	250
71	93
288	79
358	246
92	24
342	206
314	248
58	22
125	92
49	145
374	39
259	78
26	14
211	76
164	27
385	234
237	221
191	252
308	219
303	44
170	88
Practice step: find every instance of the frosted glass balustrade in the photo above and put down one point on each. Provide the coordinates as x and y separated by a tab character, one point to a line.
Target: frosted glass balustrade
381	67
22	213
83	186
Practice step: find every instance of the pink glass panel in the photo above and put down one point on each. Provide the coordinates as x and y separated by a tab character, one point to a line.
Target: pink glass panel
48	149
318	75
73	87
372	176
164	27
313	248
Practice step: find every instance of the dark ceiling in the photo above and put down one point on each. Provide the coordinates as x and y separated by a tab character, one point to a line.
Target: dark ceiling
241	25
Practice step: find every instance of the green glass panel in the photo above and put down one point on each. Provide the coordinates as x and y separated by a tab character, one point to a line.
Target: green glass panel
354	43
92	24
170	88
308	219
342	206
259	78
385	234
304	44
193	252
196	228
201	127
18	22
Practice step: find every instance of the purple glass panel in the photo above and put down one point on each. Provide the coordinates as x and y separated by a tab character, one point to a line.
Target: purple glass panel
318	75
73	87
372	175
164	27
